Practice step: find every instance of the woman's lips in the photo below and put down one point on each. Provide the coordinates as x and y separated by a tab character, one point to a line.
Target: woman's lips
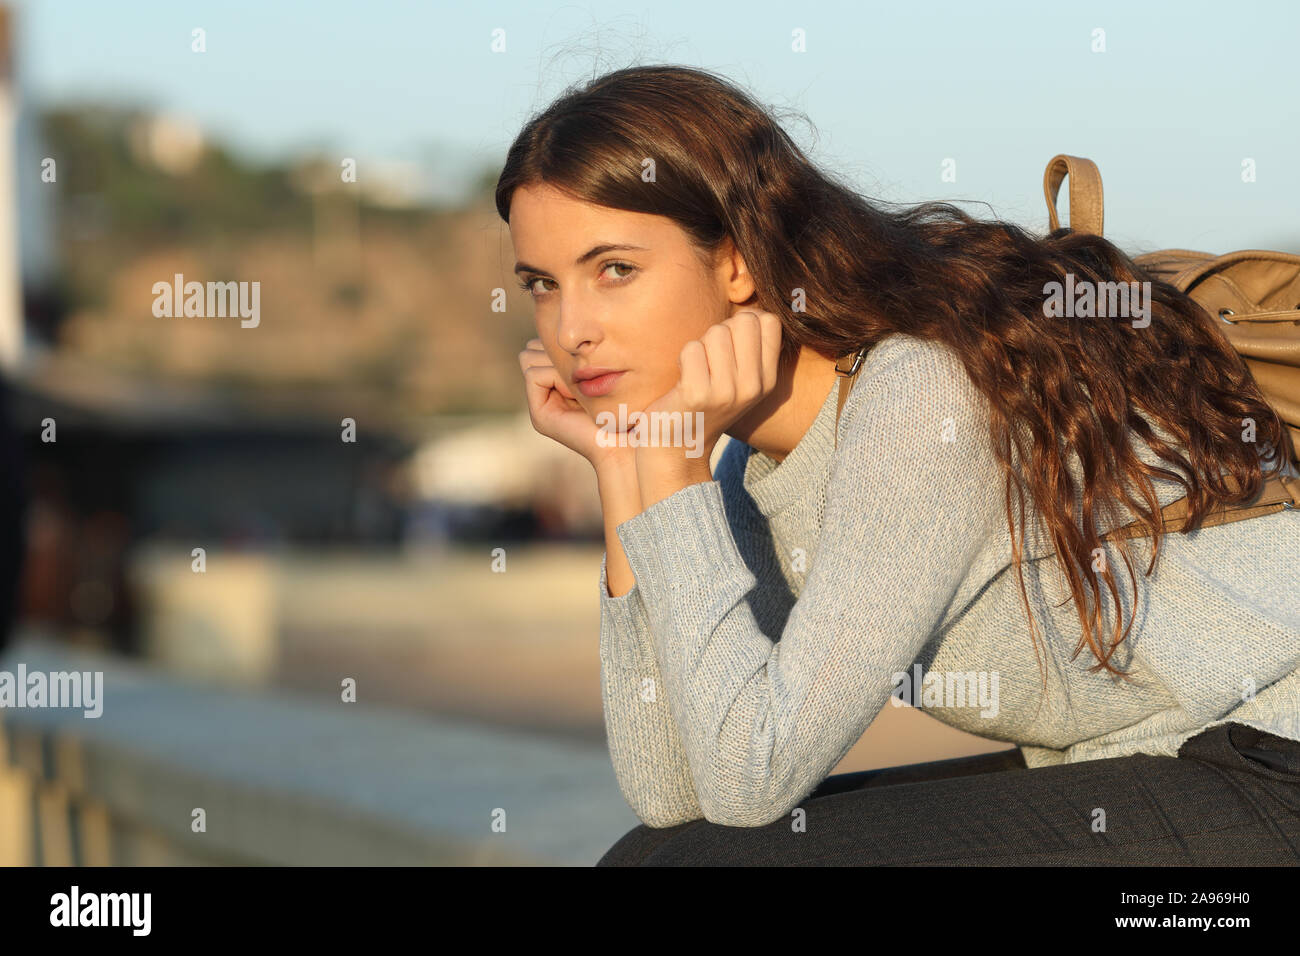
601	385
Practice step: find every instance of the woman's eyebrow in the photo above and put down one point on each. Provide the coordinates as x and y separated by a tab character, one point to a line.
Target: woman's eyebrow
589	254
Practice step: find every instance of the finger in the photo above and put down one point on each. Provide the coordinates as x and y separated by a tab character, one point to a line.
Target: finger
747	339
538	381
695	383
534	356
771	329
721	354
541	379
562	387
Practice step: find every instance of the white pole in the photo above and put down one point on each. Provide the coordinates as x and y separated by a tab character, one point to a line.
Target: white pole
11	300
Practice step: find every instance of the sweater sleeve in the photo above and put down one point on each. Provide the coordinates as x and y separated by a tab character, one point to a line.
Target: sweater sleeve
913	496
644	744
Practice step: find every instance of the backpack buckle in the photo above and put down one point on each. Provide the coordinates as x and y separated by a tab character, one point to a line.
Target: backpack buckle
857	362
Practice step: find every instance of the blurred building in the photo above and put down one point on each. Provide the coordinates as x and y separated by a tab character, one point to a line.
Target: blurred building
135	460
504	465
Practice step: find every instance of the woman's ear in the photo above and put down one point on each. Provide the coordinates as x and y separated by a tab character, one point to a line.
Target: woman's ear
736	275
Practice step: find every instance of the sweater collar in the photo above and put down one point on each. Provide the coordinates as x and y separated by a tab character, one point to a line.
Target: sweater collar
775	486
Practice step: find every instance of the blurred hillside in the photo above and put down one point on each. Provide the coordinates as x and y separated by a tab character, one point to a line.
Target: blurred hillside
366	295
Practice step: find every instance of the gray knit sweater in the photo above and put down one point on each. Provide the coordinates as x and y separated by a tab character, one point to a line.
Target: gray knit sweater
780	606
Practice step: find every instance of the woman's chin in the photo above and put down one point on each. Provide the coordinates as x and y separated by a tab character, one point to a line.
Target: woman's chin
618	413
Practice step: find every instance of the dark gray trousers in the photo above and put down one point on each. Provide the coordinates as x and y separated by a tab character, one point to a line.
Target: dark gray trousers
1230	798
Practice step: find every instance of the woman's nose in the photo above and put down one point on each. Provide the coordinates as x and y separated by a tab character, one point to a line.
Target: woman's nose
577	328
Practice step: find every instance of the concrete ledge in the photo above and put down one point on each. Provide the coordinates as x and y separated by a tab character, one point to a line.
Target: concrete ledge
288	781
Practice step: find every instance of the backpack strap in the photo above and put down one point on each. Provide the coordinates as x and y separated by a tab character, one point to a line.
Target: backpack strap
1279	493
1086	206
847	378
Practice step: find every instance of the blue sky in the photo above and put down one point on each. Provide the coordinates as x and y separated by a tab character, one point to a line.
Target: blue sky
1183	93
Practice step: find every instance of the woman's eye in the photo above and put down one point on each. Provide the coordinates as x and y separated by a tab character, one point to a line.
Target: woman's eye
621	265
527	284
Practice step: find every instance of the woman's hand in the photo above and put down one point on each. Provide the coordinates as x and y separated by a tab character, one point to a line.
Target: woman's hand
724	374
558	415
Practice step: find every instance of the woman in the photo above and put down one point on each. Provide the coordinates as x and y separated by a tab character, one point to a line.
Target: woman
685	259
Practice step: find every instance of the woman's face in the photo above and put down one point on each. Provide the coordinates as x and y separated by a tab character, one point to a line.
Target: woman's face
619	291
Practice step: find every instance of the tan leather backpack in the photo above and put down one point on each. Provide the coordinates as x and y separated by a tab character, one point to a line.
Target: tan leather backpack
1256	294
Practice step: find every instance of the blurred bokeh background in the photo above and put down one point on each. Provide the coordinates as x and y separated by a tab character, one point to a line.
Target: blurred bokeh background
354	464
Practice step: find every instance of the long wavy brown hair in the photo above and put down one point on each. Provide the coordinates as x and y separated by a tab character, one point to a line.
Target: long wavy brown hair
724	167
